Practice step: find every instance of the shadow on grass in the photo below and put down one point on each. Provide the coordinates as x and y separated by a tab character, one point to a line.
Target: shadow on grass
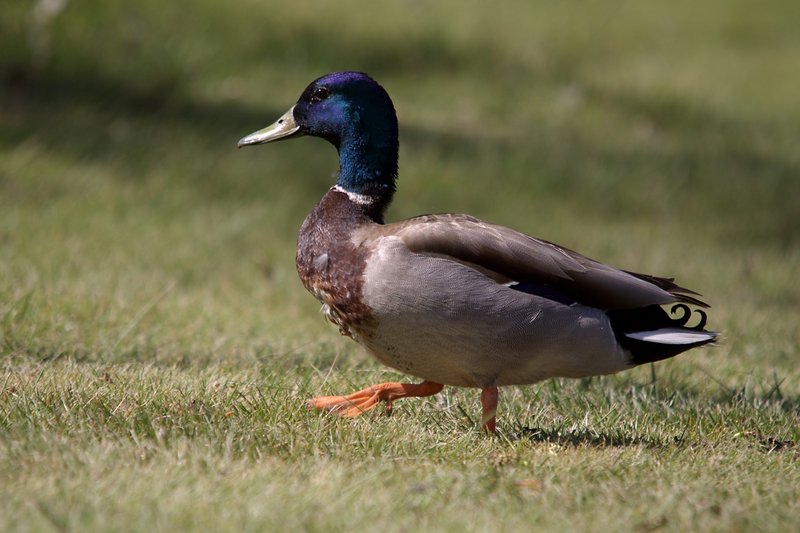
586	437
73	112
41	99
767	443
639	415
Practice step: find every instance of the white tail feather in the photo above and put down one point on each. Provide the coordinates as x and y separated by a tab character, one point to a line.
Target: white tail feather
672	336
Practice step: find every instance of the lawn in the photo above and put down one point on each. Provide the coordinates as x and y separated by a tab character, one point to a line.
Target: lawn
156	344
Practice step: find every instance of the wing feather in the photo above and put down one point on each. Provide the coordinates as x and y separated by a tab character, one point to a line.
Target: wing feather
505	254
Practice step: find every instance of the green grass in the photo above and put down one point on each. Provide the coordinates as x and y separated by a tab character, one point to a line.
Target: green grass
156	345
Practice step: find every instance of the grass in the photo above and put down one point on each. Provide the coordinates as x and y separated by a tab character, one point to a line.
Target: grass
156	346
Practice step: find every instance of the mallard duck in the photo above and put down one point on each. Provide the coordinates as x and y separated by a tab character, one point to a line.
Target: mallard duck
449	298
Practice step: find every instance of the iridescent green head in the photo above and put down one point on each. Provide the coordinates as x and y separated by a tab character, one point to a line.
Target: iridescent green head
356	115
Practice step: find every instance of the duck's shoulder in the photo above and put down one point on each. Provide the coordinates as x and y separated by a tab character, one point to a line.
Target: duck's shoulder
456	235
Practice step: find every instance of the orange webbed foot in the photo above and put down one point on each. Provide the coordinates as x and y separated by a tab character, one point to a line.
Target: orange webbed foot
362	401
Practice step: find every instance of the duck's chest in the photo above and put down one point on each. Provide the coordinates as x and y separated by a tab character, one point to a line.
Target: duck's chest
331	265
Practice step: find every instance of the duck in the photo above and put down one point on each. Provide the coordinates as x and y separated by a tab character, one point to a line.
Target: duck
450	299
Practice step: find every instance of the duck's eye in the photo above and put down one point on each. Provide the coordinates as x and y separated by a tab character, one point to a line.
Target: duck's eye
320	93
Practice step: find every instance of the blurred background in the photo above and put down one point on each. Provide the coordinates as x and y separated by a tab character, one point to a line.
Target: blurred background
661	138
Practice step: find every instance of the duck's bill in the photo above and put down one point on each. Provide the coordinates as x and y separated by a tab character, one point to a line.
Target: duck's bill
283	128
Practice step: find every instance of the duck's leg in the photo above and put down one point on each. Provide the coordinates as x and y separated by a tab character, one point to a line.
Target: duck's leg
364	400
489	405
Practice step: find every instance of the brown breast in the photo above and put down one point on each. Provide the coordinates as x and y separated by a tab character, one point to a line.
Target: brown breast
331	266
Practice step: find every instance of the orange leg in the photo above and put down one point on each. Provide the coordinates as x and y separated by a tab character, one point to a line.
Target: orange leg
489	405
366	399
